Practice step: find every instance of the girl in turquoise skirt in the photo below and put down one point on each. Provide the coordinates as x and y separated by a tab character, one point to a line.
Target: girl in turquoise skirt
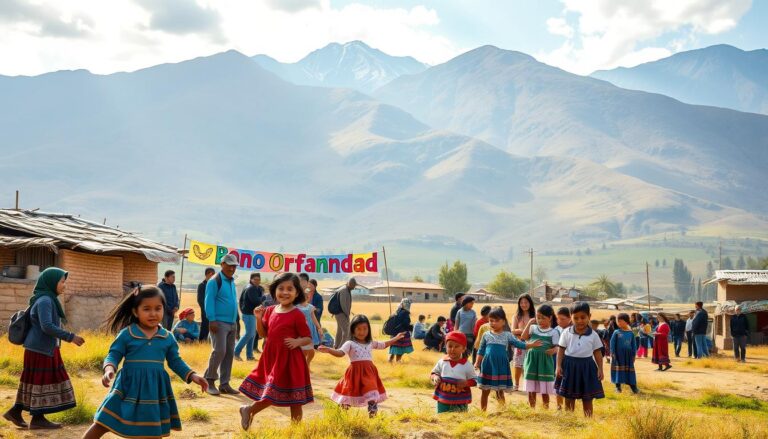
141	401
492	360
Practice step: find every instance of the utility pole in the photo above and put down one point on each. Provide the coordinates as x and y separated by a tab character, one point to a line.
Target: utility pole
720	255
648	284
17	200
530	252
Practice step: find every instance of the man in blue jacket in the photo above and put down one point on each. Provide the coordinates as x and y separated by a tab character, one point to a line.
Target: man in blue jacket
221	309
700	322
168	287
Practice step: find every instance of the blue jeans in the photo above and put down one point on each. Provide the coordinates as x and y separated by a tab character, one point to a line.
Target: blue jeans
702	349
249	321
678	341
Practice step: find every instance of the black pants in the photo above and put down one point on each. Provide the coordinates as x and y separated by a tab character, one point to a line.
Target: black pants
691	344
168	321
470	348
740	347
204	329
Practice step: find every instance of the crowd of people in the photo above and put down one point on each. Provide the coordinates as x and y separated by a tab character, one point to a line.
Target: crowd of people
541	351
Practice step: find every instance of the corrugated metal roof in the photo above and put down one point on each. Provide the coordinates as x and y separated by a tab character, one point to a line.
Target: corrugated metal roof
741	277
39	229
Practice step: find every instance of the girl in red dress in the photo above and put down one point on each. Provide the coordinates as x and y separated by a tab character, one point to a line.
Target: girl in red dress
282	377
360	386
661	344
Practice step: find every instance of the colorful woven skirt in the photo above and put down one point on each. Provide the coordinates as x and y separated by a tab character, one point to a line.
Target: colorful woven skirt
44	386
359	385
402	346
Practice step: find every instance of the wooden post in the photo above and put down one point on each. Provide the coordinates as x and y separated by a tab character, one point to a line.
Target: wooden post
181	277
531	253
648	284
17	200
386	274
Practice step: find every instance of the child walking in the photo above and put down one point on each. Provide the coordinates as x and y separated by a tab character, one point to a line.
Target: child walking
314	328
141	401
623	348
281	377
360	386
492	358
453	376
539	369
403	345
580	362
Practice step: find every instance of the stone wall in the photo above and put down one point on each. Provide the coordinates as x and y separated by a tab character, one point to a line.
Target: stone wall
88	311
14	296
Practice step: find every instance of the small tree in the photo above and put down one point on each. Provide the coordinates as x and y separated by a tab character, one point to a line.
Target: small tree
508	285
454	278
418	278
741	264
602	284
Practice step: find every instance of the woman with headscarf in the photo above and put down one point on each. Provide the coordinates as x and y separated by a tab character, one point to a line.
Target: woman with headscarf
44	386
402	324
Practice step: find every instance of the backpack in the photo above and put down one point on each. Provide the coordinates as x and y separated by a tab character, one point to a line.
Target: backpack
390	326
19	327
334	305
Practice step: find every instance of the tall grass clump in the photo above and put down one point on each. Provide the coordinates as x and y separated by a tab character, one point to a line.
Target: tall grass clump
82	413
654	422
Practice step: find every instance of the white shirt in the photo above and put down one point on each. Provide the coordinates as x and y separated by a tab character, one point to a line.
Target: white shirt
458	371
552	333
580	346
689	325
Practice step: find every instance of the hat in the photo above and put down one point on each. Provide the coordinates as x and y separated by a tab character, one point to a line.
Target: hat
457	337
187	311
230	259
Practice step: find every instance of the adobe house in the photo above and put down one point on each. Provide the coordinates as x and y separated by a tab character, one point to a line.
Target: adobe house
748	288
102	262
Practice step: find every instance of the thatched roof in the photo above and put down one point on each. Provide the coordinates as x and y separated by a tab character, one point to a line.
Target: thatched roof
23	228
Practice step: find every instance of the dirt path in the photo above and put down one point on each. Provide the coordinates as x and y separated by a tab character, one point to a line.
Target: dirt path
680	381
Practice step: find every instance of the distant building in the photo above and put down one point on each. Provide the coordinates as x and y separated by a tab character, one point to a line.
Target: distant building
748	288
483	295
378	292
102	263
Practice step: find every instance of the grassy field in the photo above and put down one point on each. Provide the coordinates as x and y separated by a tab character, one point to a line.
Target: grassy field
691	400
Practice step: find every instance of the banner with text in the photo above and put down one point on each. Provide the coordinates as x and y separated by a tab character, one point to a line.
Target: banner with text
210	254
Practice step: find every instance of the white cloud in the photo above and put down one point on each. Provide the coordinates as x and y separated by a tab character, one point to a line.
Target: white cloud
604	34
122	35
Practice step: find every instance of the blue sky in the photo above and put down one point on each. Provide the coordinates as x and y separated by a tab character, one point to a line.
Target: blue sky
577	35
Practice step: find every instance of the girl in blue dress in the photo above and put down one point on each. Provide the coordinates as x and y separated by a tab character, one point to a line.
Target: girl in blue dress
141	401
623	348
492	359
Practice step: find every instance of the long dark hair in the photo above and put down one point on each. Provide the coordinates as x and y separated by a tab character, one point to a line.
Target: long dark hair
548	311
288	277
359	320
122	315
531	307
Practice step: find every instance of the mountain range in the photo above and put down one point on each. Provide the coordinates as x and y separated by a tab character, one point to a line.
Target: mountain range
720	76
492	149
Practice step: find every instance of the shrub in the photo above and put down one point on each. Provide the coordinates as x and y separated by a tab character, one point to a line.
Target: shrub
725	401
197	415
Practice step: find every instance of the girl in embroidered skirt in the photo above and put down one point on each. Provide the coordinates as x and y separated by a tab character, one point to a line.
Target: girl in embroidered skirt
580	362
453	376
539	368
403	345
661	344
526	312
623	348
360	386
44	386
141	402
282	376
492	359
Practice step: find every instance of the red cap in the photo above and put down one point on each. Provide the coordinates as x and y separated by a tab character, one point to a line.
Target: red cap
183	315
457	337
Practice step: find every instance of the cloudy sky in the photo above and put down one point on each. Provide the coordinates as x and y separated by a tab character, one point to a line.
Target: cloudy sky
38	36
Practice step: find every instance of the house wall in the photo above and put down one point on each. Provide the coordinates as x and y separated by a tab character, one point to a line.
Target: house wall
7	257
94	286
418	295
138	268
740	293
14	296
